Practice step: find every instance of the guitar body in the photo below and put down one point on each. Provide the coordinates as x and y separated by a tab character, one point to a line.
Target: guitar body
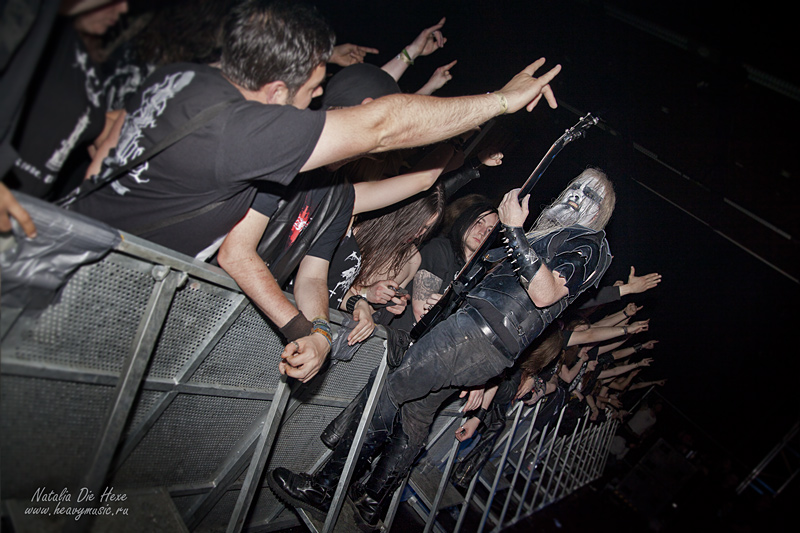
451	300
474	271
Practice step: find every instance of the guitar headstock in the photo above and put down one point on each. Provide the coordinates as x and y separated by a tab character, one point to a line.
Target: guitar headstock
579	130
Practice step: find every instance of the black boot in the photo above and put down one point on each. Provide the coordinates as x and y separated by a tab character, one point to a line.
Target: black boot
333	432
370	499
315	493
466	469
301	490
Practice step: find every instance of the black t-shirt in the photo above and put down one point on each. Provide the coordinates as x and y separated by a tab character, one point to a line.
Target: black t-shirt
216	164
439	259
266	203
65	115
344	268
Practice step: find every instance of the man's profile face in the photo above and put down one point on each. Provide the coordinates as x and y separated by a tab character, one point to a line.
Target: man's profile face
310	89
579	203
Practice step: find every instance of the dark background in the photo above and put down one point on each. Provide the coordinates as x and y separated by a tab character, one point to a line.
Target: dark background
699	104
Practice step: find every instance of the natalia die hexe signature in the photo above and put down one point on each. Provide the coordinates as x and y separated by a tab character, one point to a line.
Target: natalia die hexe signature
85	502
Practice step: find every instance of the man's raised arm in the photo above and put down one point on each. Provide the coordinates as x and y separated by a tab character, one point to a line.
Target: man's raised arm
405	121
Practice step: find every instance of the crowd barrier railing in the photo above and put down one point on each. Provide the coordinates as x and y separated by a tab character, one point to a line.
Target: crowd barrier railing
148	373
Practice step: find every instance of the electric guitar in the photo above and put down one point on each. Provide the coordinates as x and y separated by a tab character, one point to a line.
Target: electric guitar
473	272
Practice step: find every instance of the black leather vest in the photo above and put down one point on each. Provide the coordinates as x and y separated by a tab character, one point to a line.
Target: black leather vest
502	290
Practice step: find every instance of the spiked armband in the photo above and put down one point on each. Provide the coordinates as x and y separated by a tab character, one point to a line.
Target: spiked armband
526	262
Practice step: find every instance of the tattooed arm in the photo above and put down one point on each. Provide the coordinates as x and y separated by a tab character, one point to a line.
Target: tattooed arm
426	292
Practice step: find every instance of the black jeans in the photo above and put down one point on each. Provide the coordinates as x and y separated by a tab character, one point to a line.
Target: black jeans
452	356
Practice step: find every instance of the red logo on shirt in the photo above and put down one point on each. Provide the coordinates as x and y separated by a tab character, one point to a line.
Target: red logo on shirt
300	224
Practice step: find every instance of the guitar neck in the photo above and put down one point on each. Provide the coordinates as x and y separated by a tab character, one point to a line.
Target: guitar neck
575	132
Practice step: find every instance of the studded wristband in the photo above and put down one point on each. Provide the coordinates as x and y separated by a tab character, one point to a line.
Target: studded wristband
526	262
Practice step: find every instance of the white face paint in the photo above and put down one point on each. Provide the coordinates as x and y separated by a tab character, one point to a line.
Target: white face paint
578	204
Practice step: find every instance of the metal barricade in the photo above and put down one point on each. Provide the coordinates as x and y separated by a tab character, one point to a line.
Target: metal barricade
150	374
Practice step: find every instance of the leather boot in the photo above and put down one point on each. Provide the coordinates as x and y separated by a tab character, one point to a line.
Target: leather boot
333	432
315	493
466	469
371	499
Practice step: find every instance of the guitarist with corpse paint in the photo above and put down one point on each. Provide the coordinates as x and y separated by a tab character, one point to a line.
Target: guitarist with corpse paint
549	267
437	307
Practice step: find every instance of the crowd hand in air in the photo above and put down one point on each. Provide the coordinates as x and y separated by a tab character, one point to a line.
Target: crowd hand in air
525	90
10	208
438	79
649	345
345	55
302	359
362	331
427	42
491	157
638	327
637	284
631	309
645	362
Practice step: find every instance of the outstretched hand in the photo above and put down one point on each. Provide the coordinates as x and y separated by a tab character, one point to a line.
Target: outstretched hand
348	54
473	401
437	80
491	157
524	90
637	327
637	284
427	42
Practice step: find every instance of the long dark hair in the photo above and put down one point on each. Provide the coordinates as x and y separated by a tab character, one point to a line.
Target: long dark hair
464	222
388	238
542	353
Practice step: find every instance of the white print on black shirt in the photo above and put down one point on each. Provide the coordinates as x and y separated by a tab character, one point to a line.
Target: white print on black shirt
348	276
94	89
93	92
154	101
56	160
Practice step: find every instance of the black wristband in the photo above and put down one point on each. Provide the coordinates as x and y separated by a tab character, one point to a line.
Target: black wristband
350	306
525	261
296	328
480	414
637	347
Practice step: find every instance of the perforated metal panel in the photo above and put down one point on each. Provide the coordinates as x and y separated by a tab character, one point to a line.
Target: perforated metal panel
246	357
93	324
189	440
197	311
49	430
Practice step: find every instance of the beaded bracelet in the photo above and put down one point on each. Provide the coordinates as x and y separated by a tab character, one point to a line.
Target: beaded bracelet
323	327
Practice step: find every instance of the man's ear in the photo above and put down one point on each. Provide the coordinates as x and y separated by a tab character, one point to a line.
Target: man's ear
275	92
366	100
